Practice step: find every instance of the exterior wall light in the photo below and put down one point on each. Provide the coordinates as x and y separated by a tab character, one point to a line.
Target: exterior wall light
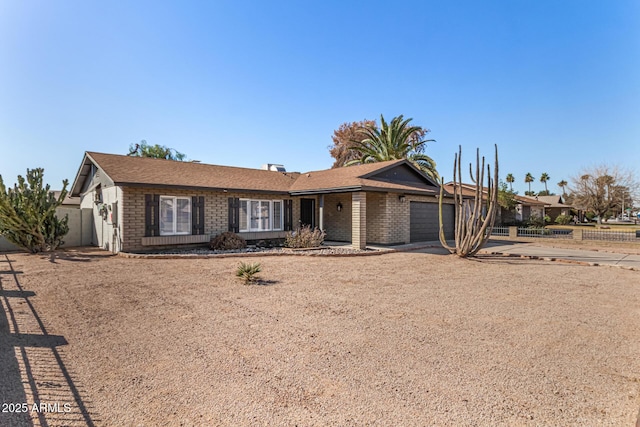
402	198
339	207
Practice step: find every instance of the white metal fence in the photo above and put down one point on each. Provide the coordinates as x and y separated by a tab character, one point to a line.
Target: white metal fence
611	235
568	234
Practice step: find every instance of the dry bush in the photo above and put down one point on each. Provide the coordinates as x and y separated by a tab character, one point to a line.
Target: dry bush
227	241
305	237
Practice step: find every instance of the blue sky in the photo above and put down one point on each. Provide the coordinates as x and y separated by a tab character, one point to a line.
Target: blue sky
556	84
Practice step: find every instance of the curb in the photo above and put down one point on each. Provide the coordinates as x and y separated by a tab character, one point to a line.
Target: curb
251	254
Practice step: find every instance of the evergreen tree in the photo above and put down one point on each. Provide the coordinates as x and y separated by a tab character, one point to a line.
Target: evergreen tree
155	151
28	213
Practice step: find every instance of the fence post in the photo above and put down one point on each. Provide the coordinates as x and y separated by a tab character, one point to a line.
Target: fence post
577	234
513	232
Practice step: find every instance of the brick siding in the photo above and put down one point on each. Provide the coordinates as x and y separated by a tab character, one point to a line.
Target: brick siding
216	212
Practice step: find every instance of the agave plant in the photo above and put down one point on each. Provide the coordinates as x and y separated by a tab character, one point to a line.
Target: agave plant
247	272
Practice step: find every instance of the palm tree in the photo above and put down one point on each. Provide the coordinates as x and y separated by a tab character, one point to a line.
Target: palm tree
543	179
528	179
510	180
562	184
393	141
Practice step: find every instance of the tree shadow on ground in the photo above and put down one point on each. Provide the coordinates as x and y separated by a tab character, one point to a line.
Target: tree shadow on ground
77	255
35	378
511	260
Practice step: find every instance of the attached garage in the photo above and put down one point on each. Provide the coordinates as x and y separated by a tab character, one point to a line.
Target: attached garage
425	223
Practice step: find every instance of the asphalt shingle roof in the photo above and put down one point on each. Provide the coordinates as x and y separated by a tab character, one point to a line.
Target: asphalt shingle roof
157	172
141	171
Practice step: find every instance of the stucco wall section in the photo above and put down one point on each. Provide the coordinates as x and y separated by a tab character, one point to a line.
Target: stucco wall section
107	229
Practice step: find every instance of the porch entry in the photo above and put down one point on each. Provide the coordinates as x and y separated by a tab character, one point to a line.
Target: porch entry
307	212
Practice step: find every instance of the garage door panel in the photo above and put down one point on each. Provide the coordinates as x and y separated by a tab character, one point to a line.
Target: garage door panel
425	223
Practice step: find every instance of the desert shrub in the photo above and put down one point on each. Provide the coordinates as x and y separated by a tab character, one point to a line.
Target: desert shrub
563	219
304	237
28	213
547	219
227	241
247	272
535	221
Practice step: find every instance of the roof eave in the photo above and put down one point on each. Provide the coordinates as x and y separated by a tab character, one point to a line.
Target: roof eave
325	190
200	187
78	181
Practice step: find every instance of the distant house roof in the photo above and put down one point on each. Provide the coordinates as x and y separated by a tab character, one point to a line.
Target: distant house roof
68	201
553	201
469	190
395	175
530	200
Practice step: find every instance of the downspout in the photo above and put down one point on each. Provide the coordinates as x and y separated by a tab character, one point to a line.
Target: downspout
321	212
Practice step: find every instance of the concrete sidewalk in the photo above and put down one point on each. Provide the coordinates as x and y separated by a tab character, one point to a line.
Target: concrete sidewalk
530	249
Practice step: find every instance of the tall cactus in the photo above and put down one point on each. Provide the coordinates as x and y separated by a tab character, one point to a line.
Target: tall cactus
473	227
28	213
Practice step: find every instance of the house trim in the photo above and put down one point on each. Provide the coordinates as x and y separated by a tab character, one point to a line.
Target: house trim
180	239
199	188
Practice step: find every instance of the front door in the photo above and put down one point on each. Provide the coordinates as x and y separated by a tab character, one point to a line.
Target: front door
307	212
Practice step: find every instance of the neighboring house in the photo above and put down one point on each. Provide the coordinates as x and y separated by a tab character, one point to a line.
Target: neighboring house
142	204
525	208
68	202
555	206
529	206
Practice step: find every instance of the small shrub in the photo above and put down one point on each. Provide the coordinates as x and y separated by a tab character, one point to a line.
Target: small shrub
304	237
547	219
247	272
227	241
535	221
563	219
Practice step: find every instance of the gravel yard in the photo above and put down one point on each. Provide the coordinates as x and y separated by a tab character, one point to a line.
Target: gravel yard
402	339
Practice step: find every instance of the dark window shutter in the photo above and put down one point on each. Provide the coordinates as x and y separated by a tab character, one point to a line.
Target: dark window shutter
197	215
151	215
288	215
234	214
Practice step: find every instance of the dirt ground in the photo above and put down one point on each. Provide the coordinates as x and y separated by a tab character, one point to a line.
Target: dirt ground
398	339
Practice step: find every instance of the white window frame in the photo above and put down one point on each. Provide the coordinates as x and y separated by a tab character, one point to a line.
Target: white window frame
175	216
275	224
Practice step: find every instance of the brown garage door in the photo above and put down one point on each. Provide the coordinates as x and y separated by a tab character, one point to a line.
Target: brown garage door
424	221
